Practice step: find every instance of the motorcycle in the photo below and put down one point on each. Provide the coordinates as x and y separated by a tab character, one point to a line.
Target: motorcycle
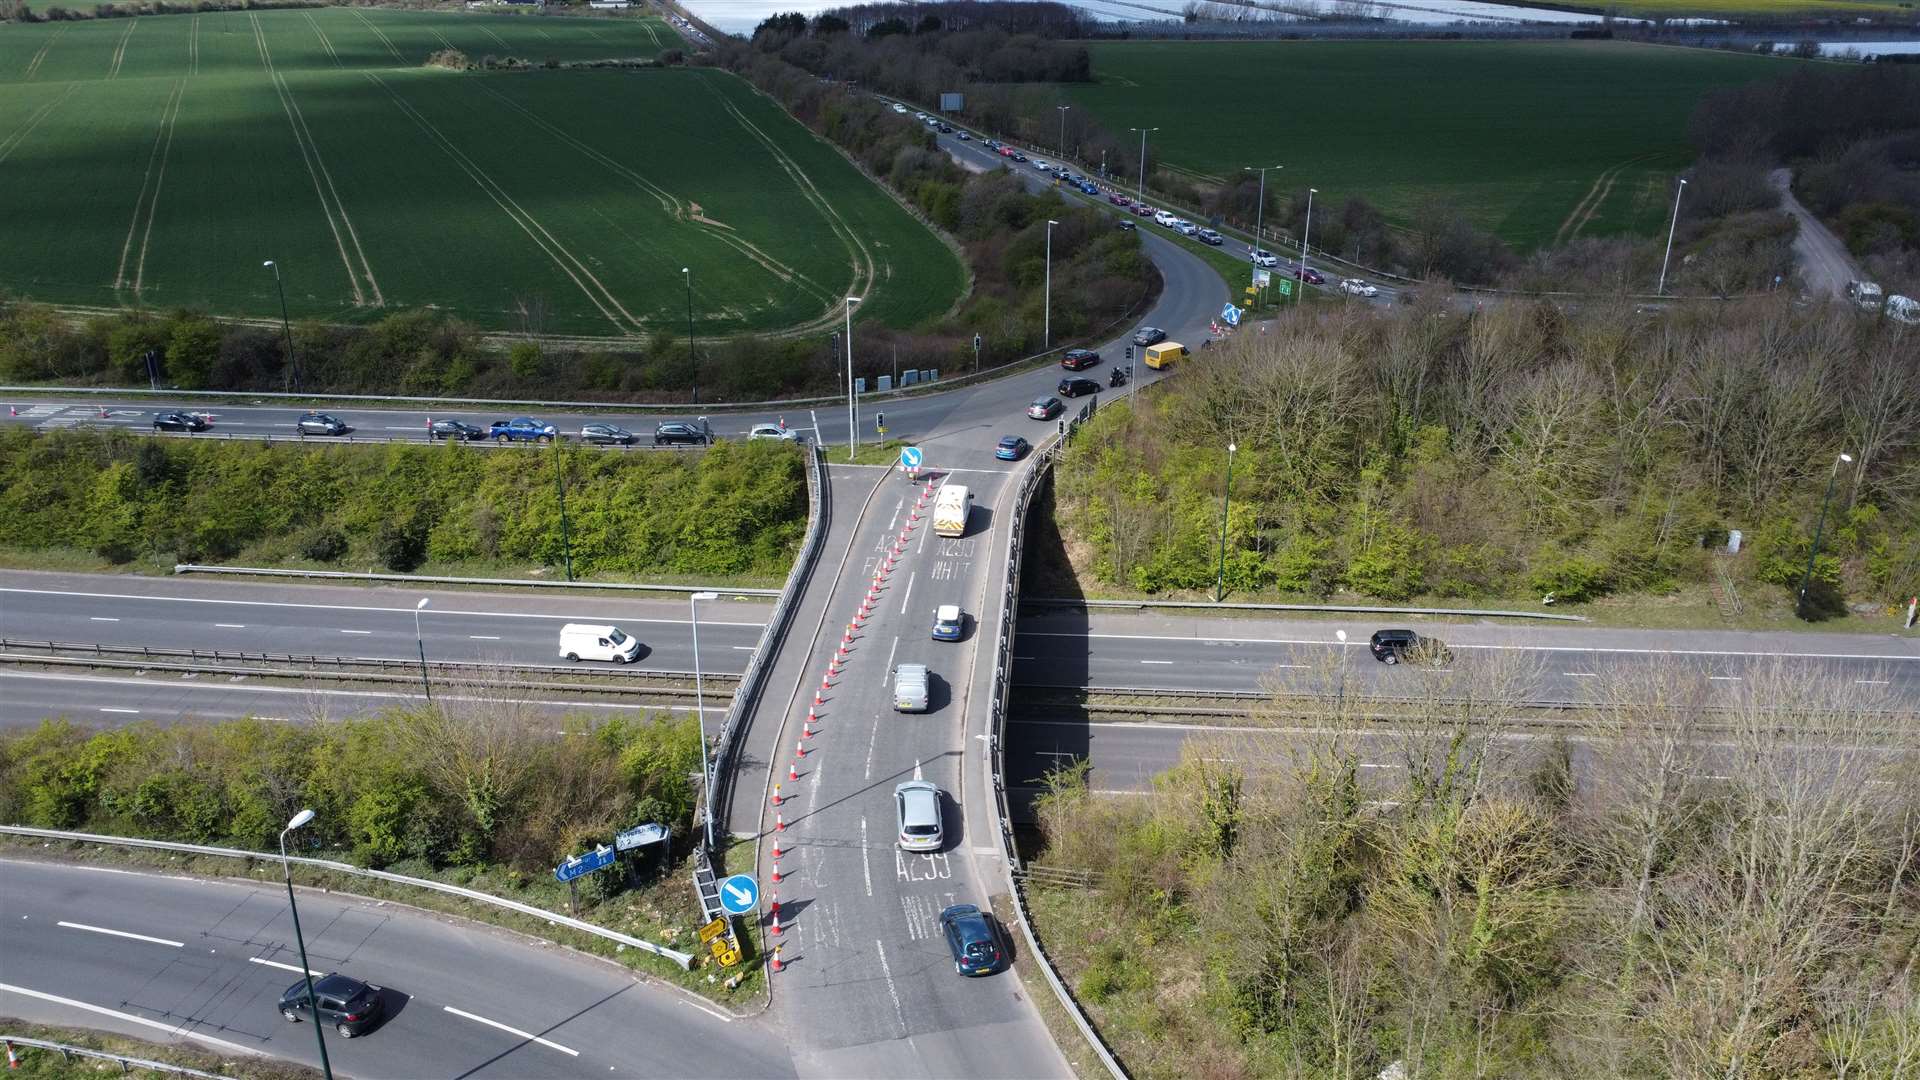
1118	378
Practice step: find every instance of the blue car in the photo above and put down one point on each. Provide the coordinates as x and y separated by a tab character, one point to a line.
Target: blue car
1012	448
974	940
1090	188
522	429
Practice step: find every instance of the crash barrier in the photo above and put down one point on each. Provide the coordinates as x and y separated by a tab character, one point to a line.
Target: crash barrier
683	959
1488	613
348	575
996	743
127	1064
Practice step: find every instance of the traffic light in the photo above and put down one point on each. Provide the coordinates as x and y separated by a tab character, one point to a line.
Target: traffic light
1129	354
880	422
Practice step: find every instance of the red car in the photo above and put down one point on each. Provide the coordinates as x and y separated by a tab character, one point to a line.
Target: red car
1006	151
1309	275
1118	199
1143	209
1079	359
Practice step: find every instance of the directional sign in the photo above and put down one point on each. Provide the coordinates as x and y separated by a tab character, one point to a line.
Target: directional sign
910	457
739	894
1286	286
640	836
580	865
713	930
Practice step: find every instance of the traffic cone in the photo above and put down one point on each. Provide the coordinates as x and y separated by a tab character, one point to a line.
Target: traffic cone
776	794
12	411
847	638
776	871
800	749
103	412
806	730
13	1059
779	823
776	925
793	770
776	855
774	898
812	717
776	958
819	696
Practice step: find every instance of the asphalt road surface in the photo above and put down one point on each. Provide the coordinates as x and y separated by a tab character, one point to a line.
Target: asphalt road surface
164	957
1825	265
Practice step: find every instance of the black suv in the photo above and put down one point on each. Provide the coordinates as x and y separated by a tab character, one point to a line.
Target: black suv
350	1005
1405	646
319	423
1076	387
676	432
1079	359
178	421
454	429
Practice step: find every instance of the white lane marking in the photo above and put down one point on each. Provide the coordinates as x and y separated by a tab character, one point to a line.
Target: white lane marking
483	637
231	625
1723	678
120	933
923	542
1871	682
904	597
1507	648
745	648
295	968
1156	661
891	649
100	618
171	1029
1580	674
528	1035
872	739
351	607
134	711
866	857
891	989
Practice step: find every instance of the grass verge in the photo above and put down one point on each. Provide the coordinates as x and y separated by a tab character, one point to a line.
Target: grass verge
37	1063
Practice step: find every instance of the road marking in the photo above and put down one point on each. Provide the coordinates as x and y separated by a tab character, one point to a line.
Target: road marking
134	711
904	597
101	618
356	631
297	970
1156	661
175	1030
407	427
891	989
1580	674
866	857
891	649
872	738
528	1035
231	625
1723	678
1871	682
483	637
745	648
120	933
348	607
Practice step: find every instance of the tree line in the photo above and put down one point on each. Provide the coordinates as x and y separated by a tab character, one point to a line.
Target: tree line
1514	451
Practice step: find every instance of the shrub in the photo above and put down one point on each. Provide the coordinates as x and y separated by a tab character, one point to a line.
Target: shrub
323	544
1570	578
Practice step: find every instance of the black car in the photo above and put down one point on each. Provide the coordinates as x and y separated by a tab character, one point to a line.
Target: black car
350	1005
178	421
1079	359
455	429
1019	157
1405	646
974	940
1128	226
946	129
607	433
1076	387
1149	335
319	423
676	432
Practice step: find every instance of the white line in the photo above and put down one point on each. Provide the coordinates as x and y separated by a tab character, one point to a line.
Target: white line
908	595
231	625
186	1033
745	648
866	857
512	1031
891	649
356	631
483	637
1723	678
283	967
1871	682
120	933
134	711
1156	661
888	972
1580	674
101	618
340	607
406	427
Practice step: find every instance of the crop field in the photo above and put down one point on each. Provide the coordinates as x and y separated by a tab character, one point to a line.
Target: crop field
1538	141
159	161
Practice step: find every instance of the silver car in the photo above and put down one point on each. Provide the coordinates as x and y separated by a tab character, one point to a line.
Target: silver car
918	802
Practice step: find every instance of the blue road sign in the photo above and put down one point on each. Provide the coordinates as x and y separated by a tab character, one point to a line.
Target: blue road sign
910	457
739	894
581	865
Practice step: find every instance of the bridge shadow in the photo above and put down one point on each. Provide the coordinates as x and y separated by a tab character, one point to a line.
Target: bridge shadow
1047	722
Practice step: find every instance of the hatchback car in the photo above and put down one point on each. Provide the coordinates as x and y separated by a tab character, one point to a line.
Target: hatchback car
1149	335
1018	156
350	1005
606	434
1128	226
1308	275
1079	359
964	137
773	431
1045	408
1076	387
1208	236
676	432
1041	166
319	423
1143	210
1354	286
1262	257
1118	199
918	805
1186	228
1405	646
454	429
974	940
948	622
178	421
1011	448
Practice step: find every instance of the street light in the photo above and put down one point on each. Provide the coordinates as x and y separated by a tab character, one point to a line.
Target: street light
692	357
1305	231
1046	323
853	401
1260	210
1671	226
1063	130
1140	193
1226	496
286	327
1806	579
306	972
1342	635
700	708
422	643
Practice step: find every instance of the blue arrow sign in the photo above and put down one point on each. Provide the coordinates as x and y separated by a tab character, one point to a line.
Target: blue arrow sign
739	894
910	457
581	865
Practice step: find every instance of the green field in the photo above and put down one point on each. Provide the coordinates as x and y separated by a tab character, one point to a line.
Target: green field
158	161
1534	140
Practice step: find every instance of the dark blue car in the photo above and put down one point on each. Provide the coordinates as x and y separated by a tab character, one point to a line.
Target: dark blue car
974	940
1012	448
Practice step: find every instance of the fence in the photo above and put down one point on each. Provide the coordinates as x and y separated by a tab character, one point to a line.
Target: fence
680	958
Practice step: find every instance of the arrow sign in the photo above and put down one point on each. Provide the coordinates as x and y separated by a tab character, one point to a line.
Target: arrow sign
739	894
910	457
580	865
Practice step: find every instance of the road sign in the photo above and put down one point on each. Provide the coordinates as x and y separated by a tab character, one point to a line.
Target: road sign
640	836
1286	286
739	894
730	957
1262	279
713	930
580	865
910	457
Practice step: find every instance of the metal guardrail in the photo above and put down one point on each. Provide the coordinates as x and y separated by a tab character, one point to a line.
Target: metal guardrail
126	1063
1360	609
996	752
685	960
348	575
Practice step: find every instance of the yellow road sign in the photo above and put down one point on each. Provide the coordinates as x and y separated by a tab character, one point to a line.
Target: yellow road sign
729	958
713	930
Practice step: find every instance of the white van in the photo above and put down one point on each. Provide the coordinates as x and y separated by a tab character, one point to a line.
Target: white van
585	641
910	688
950	509
1904	309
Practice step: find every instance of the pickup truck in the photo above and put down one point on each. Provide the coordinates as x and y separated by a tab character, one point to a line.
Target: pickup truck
522	429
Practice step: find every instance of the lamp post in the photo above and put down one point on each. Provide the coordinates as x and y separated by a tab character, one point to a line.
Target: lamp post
1046	322
1063	130
306	972
1260	209
1140	193
692	357
566	541
1342	635
853	400
1806	579
422	644
1305	231
700	708
1226	497
286	326
1661	288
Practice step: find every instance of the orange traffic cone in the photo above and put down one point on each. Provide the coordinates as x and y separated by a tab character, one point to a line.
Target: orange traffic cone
776	925
776	794
776	873
776	855
779	823
793	771
799	749
776	958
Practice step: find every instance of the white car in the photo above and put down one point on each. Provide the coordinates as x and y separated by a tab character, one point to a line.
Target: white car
773	431
1262	257
899	108
1353	286
919	116
1165	218
1185	228
1040	165
917	803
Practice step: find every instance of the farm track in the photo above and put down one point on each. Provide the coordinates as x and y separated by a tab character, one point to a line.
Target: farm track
120	50
144	206
12	142
1589	205
381	34
33	65
193	47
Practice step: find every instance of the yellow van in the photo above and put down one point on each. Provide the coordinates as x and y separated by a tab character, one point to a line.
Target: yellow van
1159	356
